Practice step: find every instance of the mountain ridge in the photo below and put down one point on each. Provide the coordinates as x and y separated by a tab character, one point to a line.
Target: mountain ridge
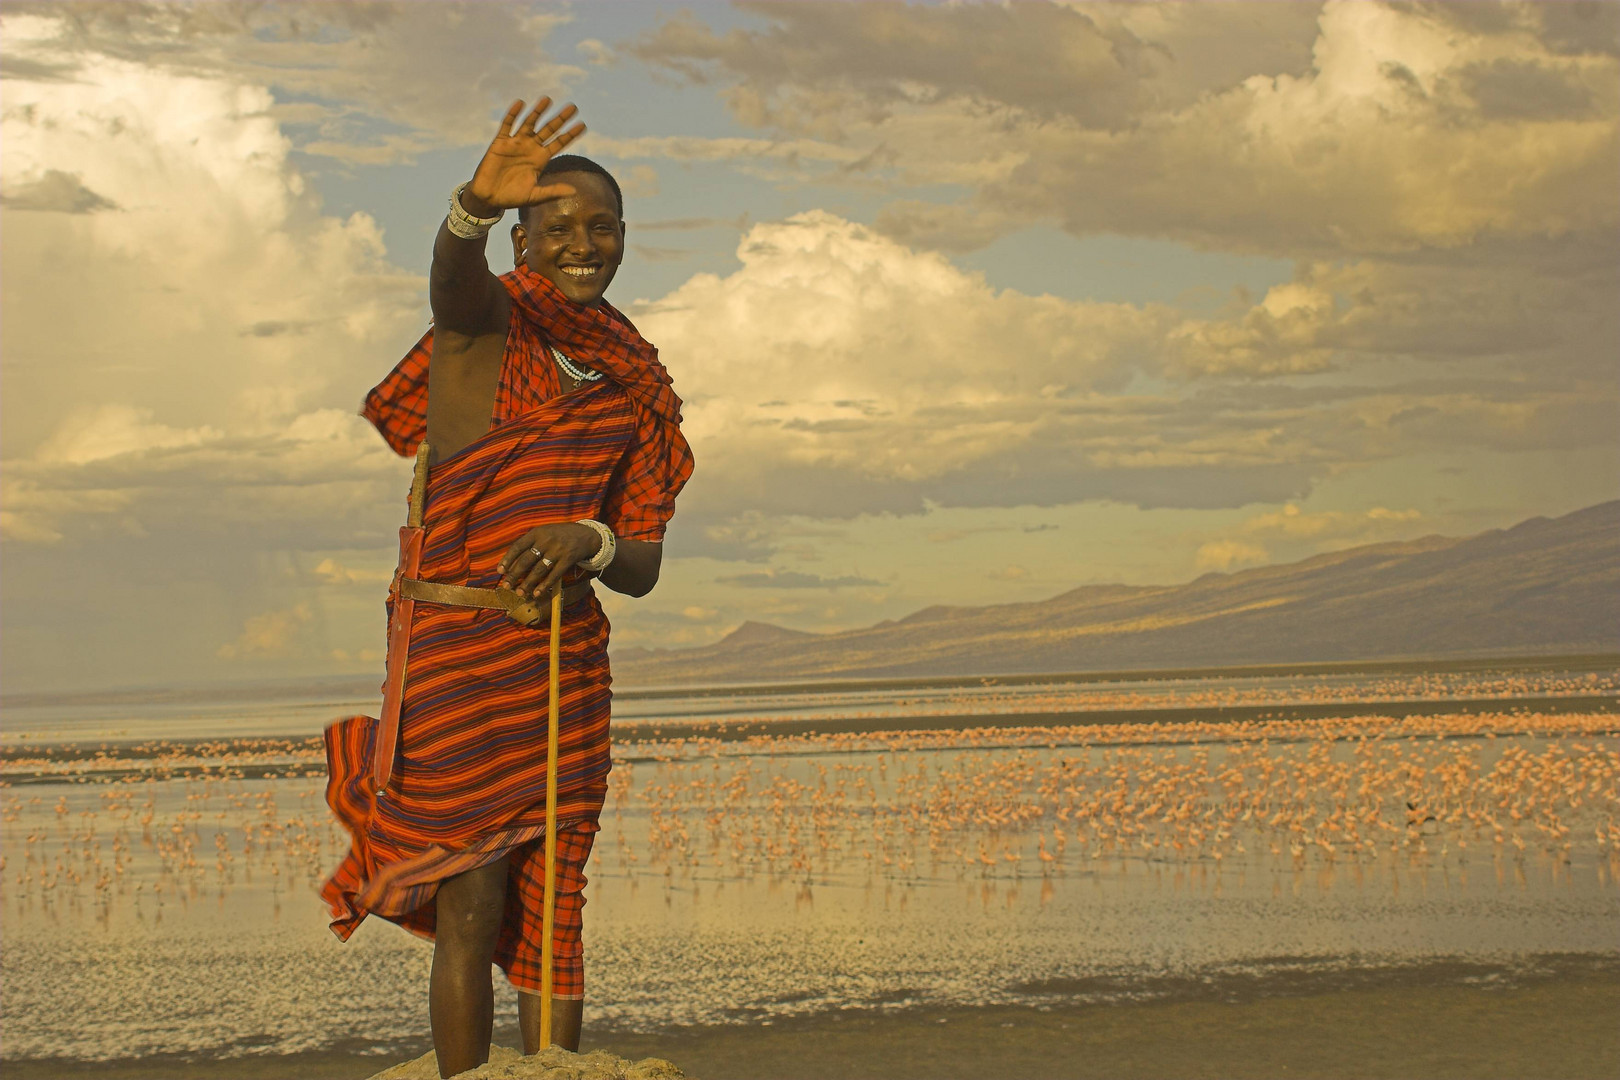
1542	585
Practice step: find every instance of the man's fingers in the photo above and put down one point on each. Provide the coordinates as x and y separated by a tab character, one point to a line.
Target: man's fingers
565	114
532	121
562	141
517	560
509	124
541	576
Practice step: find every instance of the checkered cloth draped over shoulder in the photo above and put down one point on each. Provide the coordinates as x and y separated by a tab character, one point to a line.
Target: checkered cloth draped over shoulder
602	338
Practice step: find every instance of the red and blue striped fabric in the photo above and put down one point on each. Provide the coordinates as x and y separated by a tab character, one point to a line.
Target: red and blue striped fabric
469	785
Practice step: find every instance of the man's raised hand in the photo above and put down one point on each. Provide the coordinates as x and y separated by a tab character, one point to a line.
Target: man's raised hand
509	174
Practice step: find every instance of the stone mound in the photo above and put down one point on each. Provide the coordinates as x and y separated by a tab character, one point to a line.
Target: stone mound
552	1063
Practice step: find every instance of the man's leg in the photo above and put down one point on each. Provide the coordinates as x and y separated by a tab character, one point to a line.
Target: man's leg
528	875
461	999
566	1016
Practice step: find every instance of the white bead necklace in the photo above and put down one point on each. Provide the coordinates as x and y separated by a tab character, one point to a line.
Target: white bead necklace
573	370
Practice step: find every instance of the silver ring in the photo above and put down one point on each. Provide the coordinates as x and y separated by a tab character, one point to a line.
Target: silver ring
543	560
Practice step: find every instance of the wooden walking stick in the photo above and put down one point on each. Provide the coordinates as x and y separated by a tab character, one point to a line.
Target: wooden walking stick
549	918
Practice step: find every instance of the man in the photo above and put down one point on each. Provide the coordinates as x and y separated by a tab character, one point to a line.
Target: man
554	455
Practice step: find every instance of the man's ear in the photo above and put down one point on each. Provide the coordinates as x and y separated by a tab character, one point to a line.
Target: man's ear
520	243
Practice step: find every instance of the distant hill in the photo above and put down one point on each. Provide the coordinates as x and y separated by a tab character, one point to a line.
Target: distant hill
1542	586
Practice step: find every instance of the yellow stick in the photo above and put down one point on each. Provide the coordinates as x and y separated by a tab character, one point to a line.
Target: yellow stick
548	920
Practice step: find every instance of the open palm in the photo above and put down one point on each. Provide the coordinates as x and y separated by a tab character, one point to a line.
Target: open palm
509	174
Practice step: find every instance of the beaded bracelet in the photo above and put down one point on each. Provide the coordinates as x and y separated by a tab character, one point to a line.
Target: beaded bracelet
609	548
464	224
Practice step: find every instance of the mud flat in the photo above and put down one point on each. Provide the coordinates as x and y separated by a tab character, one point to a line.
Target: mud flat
1547	1016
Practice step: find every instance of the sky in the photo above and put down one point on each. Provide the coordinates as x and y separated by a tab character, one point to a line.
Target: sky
968	303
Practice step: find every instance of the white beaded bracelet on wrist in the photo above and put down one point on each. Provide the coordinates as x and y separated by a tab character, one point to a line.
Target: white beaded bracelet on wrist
464	224
605	553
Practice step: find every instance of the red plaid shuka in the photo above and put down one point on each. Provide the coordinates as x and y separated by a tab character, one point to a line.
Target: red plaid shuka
469	784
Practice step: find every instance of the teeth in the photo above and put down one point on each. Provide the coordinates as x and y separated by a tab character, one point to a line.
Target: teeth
580	271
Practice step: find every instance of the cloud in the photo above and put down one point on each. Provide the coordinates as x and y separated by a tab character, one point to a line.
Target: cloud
217	253
818	68
769	159
738	223
1295	523
640	181
839	373
596	52
793	579
215	326
54	191
1295	533
344	74
271	634
1223	555
331	572
1353	128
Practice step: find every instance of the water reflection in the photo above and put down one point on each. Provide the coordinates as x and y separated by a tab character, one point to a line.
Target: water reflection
770	876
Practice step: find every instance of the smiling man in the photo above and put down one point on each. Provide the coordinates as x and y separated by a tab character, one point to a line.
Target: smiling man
551	457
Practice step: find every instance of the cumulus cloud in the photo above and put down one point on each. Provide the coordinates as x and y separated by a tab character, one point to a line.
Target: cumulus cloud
838	373
273	633
209	314
180	299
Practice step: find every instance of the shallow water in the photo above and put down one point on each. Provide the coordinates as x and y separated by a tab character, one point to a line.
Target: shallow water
291	710
774	878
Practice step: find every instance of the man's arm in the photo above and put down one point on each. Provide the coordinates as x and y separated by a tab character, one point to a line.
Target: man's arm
469	304
634	569
461	289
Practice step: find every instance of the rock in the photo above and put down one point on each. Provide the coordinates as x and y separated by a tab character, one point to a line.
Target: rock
552	1063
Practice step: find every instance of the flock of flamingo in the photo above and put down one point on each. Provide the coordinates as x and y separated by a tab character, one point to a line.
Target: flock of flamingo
1011	801
1227	693
127	832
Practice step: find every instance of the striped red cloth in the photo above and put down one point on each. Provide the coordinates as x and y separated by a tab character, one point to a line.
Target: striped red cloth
469	785
601	338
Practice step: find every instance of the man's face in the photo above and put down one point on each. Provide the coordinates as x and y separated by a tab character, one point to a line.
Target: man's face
576	241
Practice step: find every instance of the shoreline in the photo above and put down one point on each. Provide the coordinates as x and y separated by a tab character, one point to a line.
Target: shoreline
739	730
1546	1016
363	686
294	758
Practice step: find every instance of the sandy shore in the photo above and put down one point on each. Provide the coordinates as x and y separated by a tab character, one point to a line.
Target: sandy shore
1436	1020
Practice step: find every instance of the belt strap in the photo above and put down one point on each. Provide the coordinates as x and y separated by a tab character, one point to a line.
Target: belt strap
521	609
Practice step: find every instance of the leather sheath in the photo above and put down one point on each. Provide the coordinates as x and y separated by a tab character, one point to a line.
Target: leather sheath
385	747
399	647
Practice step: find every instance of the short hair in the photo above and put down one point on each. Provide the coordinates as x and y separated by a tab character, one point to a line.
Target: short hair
567	163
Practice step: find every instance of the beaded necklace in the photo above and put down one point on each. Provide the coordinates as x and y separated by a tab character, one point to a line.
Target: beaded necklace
573	370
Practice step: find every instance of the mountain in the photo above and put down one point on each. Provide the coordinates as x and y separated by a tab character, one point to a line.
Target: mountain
1542	586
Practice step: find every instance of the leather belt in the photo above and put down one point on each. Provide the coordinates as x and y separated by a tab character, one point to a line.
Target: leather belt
524	610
